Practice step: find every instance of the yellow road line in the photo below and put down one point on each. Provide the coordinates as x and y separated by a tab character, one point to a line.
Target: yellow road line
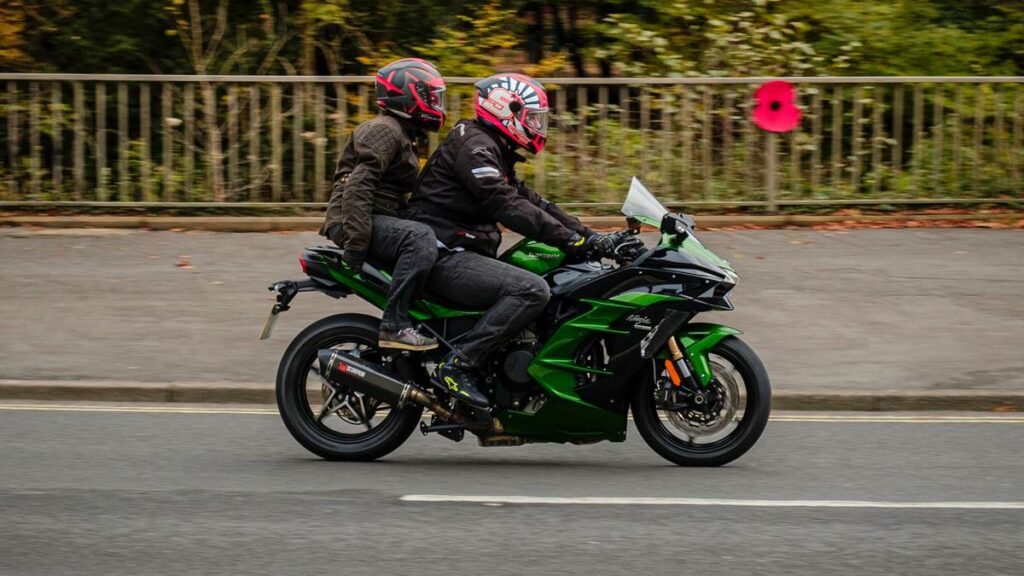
254	411
136	409
649	501
901	419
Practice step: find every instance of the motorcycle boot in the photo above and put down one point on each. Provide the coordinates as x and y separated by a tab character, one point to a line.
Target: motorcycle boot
458	378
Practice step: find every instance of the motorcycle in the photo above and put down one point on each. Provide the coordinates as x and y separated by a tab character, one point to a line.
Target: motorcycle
616	338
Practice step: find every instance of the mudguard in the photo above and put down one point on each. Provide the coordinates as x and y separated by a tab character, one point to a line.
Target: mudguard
697	340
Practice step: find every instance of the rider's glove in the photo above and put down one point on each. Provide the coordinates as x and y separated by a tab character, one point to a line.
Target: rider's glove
594	245
354	259
602	244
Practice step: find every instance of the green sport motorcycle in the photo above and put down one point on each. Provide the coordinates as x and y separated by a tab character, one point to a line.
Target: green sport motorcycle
615	338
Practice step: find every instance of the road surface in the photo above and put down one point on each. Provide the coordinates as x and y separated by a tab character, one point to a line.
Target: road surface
222	490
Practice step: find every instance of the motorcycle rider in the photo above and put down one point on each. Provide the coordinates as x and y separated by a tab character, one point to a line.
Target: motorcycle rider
467	188
367	209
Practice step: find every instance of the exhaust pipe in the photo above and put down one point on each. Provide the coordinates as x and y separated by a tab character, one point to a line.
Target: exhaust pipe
369	378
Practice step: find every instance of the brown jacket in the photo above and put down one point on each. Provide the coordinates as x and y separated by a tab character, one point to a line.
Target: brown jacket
377	168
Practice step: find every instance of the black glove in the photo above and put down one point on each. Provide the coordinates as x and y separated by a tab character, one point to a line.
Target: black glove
354	259
602	244
594	245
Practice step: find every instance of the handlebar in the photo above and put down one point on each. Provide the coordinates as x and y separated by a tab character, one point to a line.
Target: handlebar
627	247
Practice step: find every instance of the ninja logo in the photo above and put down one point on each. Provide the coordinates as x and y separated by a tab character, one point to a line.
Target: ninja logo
639	321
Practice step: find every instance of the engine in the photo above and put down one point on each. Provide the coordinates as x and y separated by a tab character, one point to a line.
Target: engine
511	384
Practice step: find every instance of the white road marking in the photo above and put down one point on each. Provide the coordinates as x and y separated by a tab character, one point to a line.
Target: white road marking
878	418
615	501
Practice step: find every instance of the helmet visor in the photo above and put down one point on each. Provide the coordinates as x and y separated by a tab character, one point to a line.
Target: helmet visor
437	98
537	120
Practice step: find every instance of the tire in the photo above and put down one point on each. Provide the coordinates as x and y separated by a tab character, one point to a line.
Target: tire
295	409
756	410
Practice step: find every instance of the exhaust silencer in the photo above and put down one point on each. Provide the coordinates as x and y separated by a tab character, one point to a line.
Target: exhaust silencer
362	376
372	379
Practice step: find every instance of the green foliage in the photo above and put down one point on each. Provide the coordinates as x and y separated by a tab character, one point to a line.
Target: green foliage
476	45
645	37
689	143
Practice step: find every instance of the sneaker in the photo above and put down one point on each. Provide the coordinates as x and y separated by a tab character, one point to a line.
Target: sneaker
406	339
460	382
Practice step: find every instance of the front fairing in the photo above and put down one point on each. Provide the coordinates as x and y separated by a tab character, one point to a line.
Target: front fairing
693	247
641	205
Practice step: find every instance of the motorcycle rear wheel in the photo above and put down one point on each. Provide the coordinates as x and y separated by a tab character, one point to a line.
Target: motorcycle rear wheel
306	421
734	358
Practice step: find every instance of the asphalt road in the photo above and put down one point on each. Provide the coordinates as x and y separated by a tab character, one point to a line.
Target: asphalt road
868	309
100	492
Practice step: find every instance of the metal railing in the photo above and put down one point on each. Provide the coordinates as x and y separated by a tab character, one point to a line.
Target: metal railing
174	138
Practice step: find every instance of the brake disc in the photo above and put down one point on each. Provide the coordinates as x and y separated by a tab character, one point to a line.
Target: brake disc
696	421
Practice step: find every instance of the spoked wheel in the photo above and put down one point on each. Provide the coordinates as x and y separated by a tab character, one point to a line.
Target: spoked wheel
338	424
712	426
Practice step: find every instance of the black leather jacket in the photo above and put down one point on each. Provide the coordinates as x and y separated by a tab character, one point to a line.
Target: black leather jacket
377	168
469	186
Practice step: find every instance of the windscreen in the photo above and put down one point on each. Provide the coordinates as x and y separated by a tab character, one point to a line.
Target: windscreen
642	205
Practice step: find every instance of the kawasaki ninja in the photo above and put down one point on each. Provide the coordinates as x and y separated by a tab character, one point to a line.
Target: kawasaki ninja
614	338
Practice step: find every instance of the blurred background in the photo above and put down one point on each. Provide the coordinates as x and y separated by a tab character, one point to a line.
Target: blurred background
635	88
163	161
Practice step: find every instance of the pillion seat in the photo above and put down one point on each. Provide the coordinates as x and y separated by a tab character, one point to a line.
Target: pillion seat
377	274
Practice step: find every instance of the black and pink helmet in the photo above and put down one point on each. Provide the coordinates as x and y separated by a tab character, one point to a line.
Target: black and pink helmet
516	105
413	89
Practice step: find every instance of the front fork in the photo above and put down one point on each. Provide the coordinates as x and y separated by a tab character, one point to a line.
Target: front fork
685	387
678	366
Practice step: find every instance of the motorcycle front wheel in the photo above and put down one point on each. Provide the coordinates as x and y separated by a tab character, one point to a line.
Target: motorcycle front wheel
726	422
336	425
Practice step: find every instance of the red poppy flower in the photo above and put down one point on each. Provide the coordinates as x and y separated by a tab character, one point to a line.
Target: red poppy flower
776	109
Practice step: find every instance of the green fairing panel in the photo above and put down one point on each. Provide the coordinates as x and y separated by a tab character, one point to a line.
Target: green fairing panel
565	417
533	256
642	299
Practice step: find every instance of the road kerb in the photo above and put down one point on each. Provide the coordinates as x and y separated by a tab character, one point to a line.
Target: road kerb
263	393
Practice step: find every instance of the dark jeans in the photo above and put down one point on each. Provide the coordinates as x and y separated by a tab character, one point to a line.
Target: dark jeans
513	295
411	248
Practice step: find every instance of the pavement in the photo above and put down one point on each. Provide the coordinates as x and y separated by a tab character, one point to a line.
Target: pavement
195	489
936	312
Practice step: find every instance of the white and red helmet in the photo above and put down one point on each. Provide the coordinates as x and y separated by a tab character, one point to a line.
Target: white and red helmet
516	105
413	89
